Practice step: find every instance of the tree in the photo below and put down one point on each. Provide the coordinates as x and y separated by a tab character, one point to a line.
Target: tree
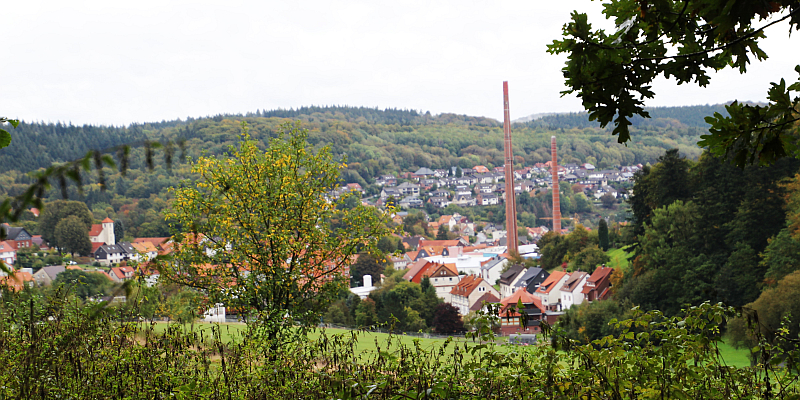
365	265
259	230
73	236
608	200
441	234
56	211
612	72
447	319
119	230
387	245
602	234
459	172
86	284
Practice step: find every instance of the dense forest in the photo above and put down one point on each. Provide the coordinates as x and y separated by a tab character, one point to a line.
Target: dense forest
374	142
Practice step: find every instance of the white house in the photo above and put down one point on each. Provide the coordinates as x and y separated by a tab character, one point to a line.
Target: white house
571	289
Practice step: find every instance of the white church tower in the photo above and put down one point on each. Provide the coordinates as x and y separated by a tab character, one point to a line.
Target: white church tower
108	232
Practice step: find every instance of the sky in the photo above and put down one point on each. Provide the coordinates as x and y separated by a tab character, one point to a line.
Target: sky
121	62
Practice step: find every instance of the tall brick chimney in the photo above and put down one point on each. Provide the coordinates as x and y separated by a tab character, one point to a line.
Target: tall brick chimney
556	200
511	201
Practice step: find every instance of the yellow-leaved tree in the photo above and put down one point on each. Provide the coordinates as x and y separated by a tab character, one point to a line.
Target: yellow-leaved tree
265	231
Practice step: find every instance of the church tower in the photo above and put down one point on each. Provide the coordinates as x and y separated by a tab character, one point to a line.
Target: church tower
108	232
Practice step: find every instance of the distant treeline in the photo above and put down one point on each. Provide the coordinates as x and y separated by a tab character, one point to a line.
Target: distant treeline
662	117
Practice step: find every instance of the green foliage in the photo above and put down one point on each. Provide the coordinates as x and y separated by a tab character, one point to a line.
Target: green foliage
72	236
612	72
441	234
647	356
59	210
257	230
602	234
588	322
365	265
781	257
85	285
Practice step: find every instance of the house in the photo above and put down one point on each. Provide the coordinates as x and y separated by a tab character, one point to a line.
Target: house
411	202
17	237
571	290
37	240
445	243
531	279
144	251
8	253
549	290
17	281
400	262
508	279
121	274
407	188
487	199
440	202
464	200
467	292
46	275
480	169
355	187
483	301
443	277
386	180
415	270
108	254
598	284
511	316
103	232
491	270
390	192
412	242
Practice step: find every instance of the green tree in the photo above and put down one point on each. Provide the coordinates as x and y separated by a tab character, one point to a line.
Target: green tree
86	284
608	200
602	234
72	236
387	245
588	259
441	234
781	257
612	72
365	265
260	222
58	210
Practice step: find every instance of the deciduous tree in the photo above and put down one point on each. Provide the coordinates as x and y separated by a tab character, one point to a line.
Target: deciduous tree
254	230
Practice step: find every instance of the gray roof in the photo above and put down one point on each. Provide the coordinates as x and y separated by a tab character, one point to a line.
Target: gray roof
424	171
53	270
530	273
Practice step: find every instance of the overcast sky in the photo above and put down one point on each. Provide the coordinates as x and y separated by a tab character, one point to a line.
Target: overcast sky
112	62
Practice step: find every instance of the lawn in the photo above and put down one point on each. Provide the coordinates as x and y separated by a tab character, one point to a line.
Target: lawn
368	342
618	259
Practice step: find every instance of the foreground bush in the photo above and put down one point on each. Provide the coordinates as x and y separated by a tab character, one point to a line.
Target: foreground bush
53	346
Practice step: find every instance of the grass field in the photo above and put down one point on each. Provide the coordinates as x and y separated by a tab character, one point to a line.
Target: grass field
619	259
368	342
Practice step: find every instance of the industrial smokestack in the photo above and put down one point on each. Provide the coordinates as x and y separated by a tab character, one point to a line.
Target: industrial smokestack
511	201
556	200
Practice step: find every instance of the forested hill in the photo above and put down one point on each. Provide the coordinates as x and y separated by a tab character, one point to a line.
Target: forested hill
660	117
388	140
36	145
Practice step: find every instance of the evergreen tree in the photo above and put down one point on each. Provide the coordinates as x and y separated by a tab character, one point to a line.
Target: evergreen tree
602	234
441	234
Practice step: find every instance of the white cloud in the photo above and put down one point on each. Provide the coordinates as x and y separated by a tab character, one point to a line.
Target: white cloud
116	63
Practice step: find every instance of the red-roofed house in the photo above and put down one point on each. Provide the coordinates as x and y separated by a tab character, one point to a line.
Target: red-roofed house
415	271
444	277
598	284
548	291
467	292
121	274
511	315
8	252
17	281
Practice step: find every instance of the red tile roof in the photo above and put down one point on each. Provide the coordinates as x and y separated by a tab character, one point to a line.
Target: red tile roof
107	220
550	283
467	285
95	230
599	274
